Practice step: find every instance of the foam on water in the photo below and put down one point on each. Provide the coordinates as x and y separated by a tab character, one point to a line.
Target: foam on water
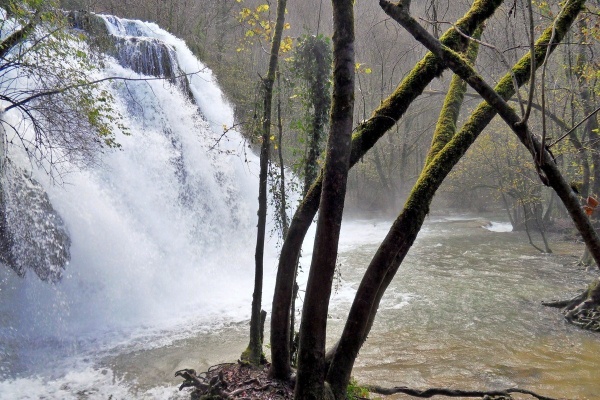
499	226
162	240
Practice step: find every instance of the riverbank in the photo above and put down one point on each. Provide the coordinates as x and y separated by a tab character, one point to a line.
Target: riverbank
463	312
235	381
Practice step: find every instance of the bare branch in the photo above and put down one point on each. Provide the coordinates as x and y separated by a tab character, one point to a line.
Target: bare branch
577	125
90	83
431	392
533	66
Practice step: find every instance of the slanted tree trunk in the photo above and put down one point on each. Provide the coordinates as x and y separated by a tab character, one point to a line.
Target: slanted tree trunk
548	170
311	354
253	353
367	134
352	337
405	228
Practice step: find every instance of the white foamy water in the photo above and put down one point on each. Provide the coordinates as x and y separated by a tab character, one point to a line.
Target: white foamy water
499	226
162	242
162	267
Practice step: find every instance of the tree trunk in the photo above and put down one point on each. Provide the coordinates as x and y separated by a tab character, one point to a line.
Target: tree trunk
253	353
352	338
311	354
321	103
404	230
283	199
367	134
547	168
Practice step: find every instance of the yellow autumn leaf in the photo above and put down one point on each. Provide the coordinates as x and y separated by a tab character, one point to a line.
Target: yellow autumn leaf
245	13
262	8
286	44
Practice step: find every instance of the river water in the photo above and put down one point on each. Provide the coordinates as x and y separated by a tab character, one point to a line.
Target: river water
463	312
161	271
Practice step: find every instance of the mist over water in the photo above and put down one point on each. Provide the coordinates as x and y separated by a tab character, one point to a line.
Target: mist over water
162	261
161	232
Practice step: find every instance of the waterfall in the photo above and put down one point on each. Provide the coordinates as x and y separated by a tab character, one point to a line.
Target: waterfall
161	231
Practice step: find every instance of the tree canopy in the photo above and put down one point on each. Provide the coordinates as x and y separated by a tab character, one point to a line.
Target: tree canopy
54	106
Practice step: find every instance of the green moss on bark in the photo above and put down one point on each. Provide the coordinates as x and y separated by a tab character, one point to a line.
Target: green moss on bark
446	123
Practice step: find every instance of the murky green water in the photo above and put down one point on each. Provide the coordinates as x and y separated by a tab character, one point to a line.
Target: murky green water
463	312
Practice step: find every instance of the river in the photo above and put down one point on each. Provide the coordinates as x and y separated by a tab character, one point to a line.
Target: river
161	270
463	312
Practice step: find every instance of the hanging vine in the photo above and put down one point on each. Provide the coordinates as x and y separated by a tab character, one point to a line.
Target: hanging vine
312	64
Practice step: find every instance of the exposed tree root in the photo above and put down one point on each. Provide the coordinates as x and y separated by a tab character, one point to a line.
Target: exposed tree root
241	381
565	303
427	393
582	310
235	381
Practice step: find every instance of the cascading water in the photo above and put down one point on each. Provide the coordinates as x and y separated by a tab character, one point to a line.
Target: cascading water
161	266
161	232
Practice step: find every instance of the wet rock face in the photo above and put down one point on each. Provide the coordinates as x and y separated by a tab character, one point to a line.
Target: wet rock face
87	22
146	56
32	234
151	57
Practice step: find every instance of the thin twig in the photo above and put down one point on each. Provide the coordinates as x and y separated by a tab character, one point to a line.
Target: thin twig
590	115
532	66
544	65
500	53
75	86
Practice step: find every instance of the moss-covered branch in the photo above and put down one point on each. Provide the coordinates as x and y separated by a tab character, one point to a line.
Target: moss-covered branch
405	228
365	137
446	124
550	174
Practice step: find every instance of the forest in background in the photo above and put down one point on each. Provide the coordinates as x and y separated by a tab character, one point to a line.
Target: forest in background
232	38
497	171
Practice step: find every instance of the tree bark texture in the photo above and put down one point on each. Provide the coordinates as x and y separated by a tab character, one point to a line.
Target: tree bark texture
254	351
445	127
367	134
346	350
405	228
311	354
321	104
